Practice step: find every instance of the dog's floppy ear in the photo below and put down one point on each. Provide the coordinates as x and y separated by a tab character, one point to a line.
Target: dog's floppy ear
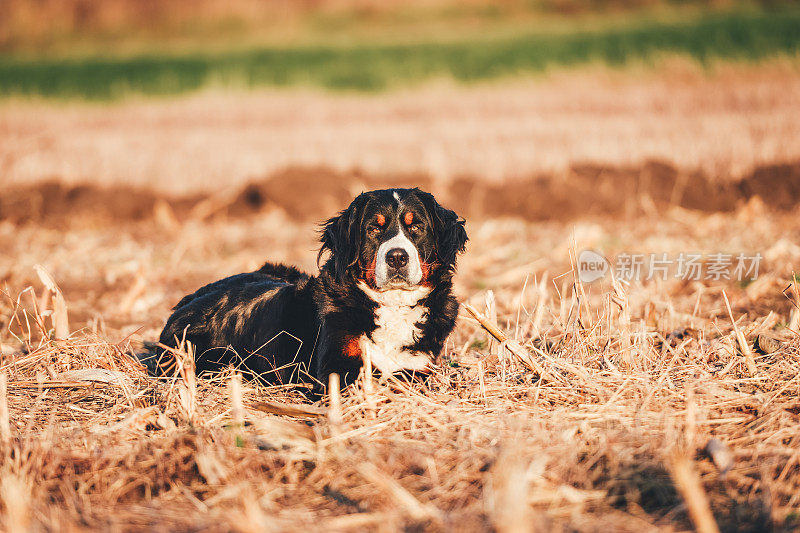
341	237
448	227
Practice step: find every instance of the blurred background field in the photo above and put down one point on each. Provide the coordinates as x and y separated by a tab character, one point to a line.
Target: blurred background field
184	97
150	147
110	49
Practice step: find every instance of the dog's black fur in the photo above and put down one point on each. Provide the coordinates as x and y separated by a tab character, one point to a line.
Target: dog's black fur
283	325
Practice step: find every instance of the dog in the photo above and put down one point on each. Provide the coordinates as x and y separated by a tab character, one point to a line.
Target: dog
384	291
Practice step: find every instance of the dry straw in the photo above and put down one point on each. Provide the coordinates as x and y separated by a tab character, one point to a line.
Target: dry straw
605	406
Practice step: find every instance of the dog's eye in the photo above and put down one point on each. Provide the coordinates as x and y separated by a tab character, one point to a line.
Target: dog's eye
375	229
415	228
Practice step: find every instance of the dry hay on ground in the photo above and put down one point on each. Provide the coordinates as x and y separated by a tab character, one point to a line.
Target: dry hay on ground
610	432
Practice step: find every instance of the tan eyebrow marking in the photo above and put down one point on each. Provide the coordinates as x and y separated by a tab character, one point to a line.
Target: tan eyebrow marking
380	219
408	218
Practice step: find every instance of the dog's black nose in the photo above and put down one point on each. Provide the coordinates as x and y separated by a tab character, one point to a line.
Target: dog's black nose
397	258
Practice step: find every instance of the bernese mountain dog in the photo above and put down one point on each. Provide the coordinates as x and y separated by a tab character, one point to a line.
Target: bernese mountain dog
384	291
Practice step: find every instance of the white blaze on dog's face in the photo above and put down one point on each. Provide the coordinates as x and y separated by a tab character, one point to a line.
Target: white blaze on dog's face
397	262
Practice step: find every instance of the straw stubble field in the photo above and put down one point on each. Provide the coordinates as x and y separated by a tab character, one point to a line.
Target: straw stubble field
662	404
628	388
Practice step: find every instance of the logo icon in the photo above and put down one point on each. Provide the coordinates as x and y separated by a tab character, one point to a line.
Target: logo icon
591	266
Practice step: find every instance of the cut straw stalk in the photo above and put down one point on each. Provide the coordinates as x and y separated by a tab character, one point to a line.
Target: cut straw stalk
619	297
369	396
289	409
52	384
16	497
5	424
749	359
482	381
510	491
491	316
511	345
688	484
794	322
235	391
59	317
187	385
335	411
538	314
136	290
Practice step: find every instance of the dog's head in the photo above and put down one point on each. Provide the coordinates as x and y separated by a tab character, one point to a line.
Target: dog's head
393	239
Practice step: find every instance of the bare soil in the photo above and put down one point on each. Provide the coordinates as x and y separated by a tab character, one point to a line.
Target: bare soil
586	191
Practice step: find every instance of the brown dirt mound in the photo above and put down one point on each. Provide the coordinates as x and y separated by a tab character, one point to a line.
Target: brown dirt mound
315	193
594	190
55	203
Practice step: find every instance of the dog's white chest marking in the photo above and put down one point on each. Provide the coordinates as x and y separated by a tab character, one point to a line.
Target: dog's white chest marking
396	319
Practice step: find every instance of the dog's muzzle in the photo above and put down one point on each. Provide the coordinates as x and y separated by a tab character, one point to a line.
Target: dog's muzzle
397	264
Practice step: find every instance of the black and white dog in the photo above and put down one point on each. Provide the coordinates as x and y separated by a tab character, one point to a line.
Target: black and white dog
384	291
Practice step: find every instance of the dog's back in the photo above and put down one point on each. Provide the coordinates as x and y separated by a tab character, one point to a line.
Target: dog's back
241	321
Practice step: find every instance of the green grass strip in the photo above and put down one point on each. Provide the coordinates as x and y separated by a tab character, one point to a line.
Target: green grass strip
745	36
